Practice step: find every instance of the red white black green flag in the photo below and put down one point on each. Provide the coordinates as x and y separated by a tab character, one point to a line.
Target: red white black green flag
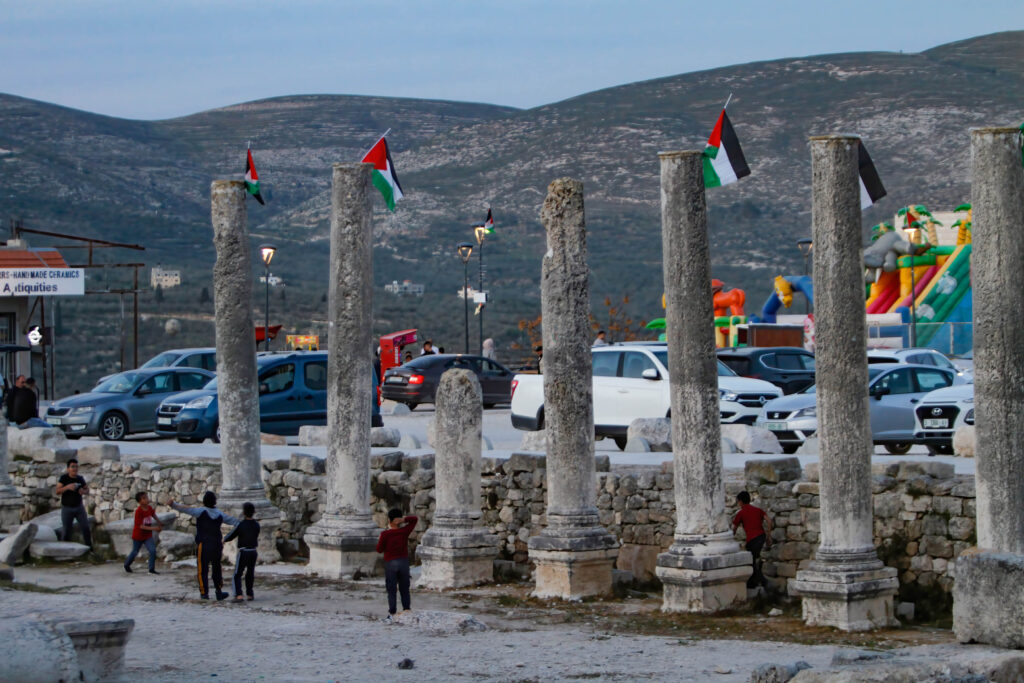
871	189
384	177
723	159
252	179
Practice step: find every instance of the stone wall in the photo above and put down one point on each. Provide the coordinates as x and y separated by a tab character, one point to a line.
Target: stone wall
924	515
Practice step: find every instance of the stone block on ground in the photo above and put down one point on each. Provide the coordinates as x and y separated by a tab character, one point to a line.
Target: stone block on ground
964	441
640	560
777	673
751	439
534	441
394	408
100	646
310	464
809	447
656	431
772	471
409	442
57	550
385	437
988	603
59	455
13	547
273	439
937	470
602	463
23	441
175	545
637	444
440	622
313	435
45	533
95	454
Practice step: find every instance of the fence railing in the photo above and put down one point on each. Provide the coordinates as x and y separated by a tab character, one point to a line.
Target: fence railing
952	339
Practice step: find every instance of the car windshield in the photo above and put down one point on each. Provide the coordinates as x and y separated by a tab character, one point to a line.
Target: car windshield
723	369
121	383
164	360
872	373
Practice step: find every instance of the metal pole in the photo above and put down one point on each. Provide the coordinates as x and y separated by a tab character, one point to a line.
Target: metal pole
465	298
807	304
481	291
266	310
913	309
135	317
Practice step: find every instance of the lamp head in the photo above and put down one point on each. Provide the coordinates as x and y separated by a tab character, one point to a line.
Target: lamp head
805	246
465	250
481	233
267	253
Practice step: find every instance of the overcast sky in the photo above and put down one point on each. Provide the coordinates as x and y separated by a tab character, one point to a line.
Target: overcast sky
151	60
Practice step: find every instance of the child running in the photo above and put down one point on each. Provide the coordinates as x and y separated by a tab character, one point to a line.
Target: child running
208	542
394	543
248	534
146	522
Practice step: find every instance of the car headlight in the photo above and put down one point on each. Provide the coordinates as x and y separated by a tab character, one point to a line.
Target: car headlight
199	403
968	400
82	410
727	395
807	412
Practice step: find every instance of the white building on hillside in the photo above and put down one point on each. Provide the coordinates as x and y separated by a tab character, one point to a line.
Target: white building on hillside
158	277
406	287
274	280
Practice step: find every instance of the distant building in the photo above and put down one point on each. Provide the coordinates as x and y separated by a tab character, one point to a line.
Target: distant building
406	287
158	277
274	280
469	293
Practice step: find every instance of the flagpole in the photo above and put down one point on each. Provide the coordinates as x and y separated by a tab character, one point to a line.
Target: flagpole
724	107
375	142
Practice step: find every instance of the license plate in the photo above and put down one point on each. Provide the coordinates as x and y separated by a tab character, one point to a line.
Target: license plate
163	421
54	420
395	380
935	423
776	426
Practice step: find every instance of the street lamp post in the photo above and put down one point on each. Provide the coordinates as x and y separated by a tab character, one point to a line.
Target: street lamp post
481	235
266	254
805	246
465	250
912	234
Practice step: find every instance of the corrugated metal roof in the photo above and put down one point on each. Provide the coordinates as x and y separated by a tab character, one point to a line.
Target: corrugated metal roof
31	258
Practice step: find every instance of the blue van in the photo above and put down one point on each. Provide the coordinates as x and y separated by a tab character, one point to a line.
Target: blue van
292	390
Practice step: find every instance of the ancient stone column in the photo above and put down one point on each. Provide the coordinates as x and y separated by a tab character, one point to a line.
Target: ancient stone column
846	585
10	499
344	540
237	391
704	570
456	550
574	553
988	602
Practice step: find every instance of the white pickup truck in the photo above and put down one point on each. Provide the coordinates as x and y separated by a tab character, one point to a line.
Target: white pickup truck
631	381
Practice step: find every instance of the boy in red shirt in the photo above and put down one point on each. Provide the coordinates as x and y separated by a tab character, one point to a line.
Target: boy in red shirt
394	543
755	525
146	522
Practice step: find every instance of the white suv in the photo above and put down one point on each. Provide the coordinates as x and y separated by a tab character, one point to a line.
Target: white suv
919	356
940	414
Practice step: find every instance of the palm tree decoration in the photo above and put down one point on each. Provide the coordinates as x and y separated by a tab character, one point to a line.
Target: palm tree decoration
963	225
914	220
880	229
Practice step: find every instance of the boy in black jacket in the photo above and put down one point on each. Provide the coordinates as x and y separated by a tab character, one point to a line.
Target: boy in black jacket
248	534
208	544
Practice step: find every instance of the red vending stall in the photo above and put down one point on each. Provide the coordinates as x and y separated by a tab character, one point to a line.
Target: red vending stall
391	346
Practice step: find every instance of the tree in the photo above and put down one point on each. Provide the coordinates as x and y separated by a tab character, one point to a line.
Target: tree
619	326
204	296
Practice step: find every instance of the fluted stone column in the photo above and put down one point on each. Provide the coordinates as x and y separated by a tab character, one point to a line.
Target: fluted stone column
344	540
10	500
457	550
237	391
846	585
704	570
574	553
988	599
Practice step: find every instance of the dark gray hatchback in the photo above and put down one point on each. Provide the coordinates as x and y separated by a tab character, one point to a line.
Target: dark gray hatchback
788	367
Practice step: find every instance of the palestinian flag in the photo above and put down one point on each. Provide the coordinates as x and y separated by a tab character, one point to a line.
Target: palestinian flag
252	179
723	159
489	223
384	177
871	189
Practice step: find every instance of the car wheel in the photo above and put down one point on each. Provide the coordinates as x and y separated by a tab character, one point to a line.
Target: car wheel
790	448
946	449
216	434
113	427
898	448
620	441
412	404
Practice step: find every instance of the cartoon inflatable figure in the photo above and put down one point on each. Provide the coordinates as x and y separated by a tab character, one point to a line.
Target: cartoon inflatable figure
784	291
882	254
727	303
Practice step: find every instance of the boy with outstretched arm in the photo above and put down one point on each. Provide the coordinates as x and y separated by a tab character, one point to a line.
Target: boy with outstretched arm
248	534
208	542
394	543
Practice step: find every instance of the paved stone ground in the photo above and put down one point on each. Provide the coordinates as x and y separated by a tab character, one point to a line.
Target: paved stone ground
305	629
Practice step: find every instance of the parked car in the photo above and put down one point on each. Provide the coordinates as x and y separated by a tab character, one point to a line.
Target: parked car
788	367
124	404
416	381
940	414
964	375
895	390
204	358
292	393
631	381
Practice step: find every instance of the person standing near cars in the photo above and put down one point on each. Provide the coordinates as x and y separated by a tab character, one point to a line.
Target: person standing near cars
600	341
489	351
71	487
428	348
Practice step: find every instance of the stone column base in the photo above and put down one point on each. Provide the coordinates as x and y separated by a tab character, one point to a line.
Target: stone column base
705	583
573	574
10	507
988	603
455	567
340	547
845	596
268	516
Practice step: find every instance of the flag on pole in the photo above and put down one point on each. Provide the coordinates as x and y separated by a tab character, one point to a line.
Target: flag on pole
723	158
489	223
252	179
384	177
871	189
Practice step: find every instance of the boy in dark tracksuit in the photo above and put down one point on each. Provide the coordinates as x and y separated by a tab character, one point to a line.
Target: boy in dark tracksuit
248	534
208	542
